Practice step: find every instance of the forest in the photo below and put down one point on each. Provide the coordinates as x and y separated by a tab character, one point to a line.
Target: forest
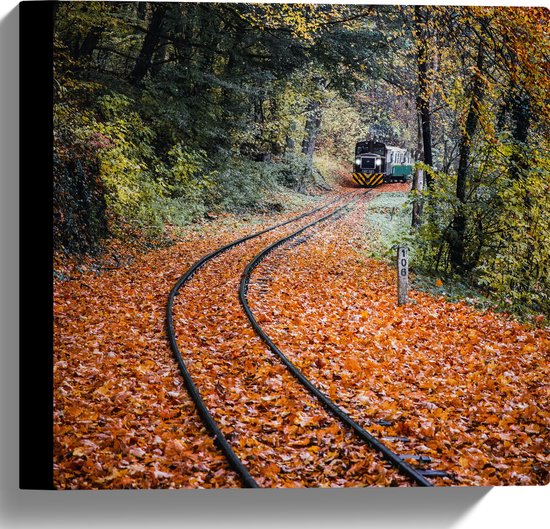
235	305
168	113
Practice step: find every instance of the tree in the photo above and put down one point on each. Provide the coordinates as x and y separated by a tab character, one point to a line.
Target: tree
424	88
457	233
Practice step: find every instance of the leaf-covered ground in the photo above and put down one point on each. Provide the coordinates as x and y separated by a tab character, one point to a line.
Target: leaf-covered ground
469	389
282	434
121	415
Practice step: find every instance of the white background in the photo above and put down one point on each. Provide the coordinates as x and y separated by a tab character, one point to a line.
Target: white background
501	508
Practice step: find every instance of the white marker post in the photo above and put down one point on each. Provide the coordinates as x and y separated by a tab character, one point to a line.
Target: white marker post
402	275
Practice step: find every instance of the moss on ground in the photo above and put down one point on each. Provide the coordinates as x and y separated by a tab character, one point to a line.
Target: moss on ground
387	217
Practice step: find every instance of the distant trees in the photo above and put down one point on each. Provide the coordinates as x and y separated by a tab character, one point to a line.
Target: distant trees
166	110
150	44
424	59
458	226
488	77
154	90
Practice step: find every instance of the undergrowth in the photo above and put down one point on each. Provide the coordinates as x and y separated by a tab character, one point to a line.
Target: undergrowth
388	220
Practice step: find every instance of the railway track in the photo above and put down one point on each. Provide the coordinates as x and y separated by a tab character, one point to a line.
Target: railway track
398	462
202	409
393	458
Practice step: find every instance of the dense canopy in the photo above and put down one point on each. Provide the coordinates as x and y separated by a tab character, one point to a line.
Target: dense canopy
166	111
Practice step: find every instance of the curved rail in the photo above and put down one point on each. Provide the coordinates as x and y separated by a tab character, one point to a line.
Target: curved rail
202	409
336	410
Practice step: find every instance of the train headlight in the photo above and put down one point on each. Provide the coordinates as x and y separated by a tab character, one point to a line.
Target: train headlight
357	161
378	161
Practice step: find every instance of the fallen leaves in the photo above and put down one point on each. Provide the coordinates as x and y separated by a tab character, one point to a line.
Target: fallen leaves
122	418
267	415
466	388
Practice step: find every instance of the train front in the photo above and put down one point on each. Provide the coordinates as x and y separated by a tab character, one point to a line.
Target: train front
370	162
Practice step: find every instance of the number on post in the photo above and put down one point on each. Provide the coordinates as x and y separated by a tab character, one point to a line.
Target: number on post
402	275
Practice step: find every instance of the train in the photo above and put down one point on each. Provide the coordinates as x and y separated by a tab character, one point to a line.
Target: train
376	163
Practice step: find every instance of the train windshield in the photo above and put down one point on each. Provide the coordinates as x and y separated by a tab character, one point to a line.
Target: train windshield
373	147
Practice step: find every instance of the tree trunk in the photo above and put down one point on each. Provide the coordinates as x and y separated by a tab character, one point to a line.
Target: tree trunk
419	146
158	58
184	19
521	118
150	43
141	10
313	123
418	179
423	98
289	143
89	44
418	204
458	231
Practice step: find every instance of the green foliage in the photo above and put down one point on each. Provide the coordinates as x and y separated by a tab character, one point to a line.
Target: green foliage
388	222
188	188
126	163
440	206
227	94
516	266
342	126
207	125
452	290
507	238
246	184
79	208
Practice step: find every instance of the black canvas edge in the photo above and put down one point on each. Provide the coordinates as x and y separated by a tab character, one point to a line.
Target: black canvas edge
36	250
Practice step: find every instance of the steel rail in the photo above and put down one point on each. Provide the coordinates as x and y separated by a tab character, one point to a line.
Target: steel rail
194	393
336	410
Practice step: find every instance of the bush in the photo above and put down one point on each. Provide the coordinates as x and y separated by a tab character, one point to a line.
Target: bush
506	241
133	184
516	266
79	206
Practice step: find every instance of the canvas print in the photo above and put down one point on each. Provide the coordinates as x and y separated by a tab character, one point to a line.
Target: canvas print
300	245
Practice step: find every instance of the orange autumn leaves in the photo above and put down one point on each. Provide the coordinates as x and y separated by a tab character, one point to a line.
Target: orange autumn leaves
119	404
468	389
122	418
281	433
